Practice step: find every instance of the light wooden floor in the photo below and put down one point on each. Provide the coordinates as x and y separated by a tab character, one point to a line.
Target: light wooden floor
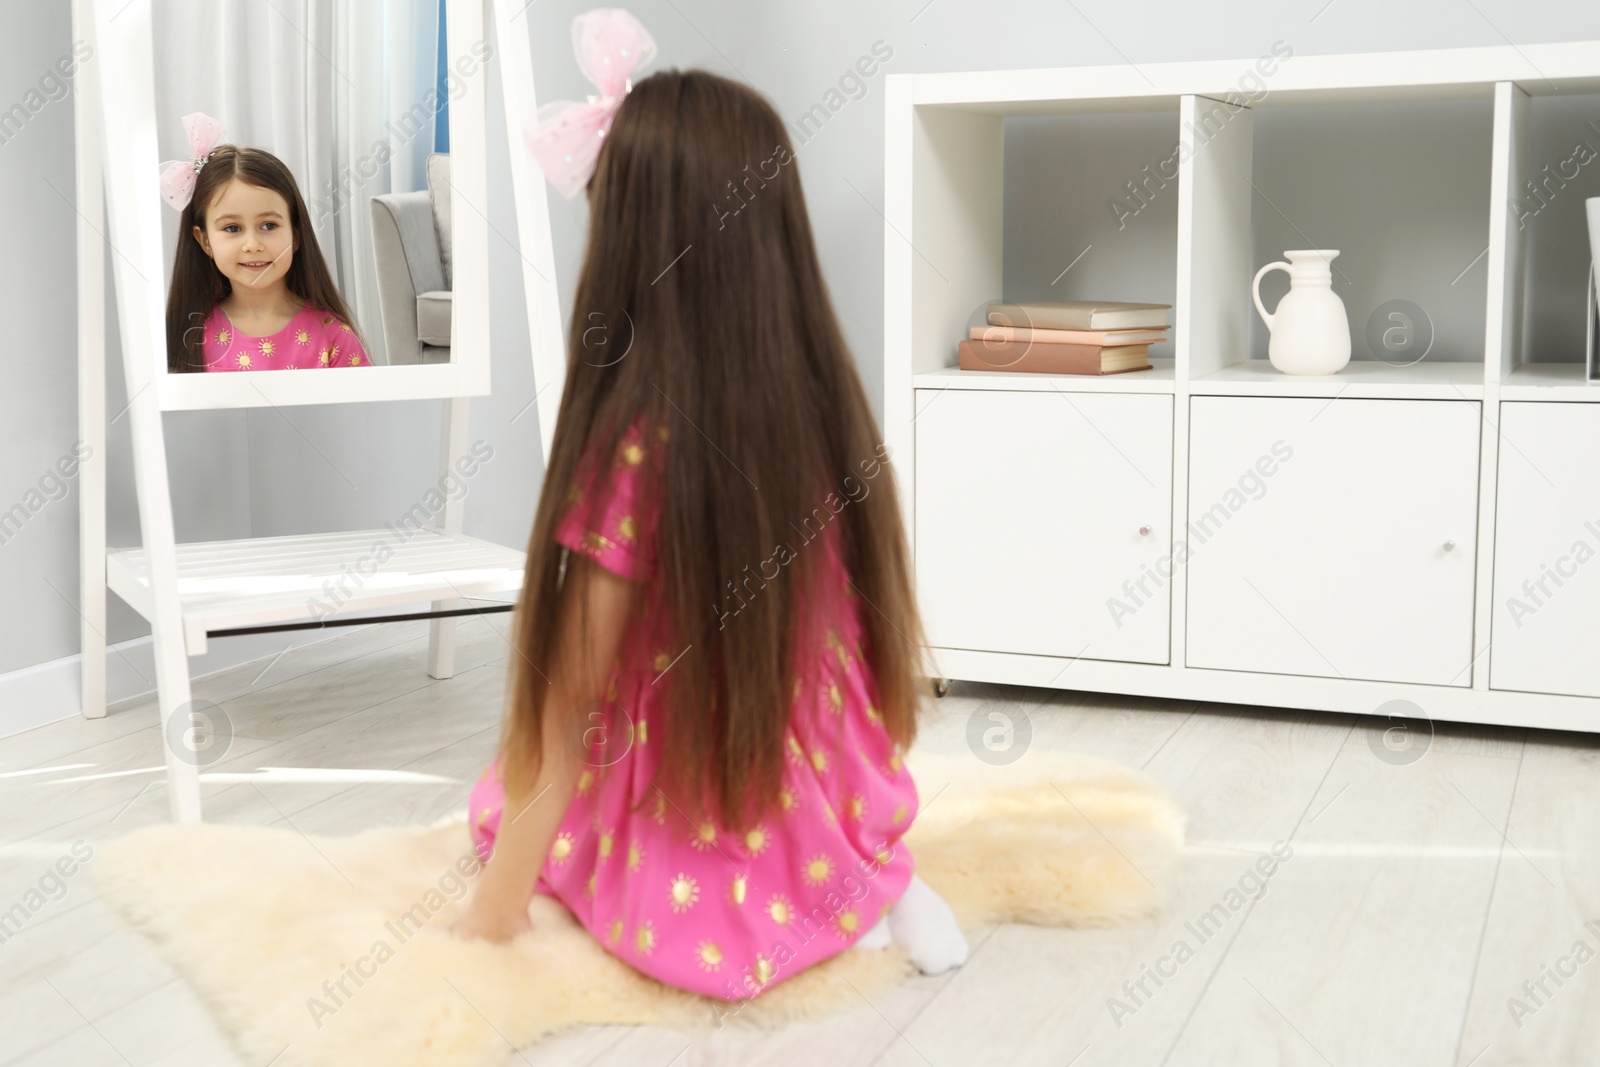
1419	898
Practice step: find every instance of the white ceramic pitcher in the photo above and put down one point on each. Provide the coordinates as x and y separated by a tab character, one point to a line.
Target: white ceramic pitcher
1310	330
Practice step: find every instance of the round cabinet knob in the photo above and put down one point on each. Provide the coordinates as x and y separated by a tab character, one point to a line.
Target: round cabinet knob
1449	546
1144	531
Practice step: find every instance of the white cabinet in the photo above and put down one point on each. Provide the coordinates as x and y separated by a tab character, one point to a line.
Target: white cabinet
1043	522
1546	621
1333	538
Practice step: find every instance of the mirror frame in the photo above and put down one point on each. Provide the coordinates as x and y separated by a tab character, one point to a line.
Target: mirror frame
132	172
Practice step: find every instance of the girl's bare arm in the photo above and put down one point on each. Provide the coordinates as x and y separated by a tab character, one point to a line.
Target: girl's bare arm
582	664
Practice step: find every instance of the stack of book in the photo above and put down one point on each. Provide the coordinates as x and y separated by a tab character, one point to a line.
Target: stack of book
1066	337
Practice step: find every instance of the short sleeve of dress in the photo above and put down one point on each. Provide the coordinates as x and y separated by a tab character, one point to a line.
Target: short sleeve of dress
609	517
347	350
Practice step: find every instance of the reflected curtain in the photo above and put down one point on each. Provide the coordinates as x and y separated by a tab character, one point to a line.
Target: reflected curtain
340	90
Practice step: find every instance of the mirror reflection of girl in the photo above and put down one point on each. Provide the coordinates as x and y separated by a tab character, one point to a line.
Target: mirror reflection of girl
718	646
250	289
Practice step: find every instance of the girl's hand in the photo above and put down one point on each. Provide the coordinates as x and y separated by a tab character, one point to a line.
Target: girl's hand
494	925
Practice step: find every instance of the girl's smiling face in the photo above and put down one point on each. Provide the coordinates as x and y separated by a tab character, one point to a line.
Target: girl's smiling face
248	236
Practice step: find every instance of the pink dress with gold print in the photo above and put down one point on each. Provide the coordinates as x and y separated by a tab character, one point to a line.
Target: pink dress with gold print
313	338
694	906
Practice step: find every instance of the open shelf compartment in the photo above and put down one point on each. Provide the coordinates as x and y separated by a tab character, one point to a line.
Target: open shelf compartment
1027	202
1399	182
1551	164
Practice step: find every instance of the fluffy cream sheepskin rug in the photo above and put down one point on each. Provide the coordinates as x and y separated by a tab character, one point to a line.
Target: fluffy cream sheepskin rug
267	925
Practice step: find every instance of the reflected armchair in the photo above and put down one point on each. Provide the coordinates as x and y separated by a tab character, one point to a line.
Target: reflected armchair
411	243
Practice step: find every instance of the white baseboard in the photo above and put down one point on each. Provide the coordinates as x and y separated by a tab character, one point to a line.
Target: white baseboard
49	692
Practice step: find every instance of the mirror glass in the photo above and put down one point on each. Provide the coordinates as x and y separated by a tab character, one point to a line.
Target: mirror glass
306	177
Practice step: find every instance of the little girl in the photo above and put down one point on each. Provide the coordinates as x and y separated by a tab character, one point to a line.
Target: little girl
717	643
250	290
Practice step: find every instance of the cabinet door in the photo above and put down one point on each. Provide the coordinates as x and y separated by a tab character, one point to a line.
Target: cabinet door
1546	622
1042	520
1333	538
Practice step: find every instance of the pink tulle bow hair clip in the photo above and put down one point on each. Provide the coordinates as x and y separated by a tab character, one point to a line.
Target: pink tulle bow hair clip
565	136
178	176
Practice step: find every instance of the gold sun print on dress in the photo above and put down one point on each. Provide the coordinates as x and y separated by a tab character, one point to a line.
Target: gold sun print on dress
635	857
708	956
302	337
818	869
780	909
644	938
757	839
738	889
836	643
847	924
561	848
705	836
683	892
760	973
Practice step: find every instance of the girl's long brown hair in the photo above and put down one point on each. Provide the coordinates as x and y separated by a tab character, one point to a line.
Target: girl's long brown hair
700	265
197	284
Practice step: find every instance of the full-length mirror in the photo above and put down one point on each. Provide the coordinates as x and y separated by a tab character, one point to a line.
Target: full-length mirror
307	219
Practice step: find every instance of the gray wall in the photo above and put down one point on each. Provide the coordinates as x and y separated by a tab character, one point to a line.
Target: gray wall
311	469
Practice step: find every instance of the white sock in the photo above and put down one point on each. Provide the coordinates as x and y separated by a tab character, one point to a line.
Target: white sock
923	924
875	938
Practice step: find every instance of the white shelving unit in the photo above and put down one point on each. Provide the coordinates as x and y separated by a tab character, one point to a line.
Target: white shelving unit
1211	528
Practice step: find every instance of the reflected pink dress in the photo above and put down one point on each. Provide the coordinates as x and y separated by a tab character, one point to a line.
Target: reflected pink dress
695	906
313	338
